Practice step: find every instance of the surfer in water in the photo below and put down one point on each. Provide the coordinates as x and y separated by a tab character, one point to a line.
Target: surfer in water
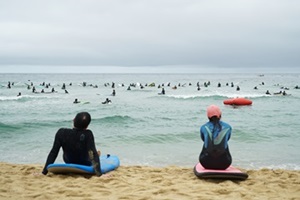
76	101
114	93
215	135
107	101
77	143
163	92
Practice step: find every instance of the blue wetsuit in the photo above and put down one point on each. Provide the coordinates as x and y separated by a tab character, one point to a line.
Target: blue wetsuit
215	152
78	147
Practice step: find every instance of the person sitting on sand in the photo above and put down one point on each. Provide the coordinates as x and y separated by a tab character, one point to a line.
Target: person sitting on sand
77	143
215	135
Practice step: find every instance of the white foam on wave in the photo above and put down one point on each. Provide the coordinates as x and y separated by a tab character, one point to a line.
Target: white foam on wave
7	98
225	95
14	98
287	166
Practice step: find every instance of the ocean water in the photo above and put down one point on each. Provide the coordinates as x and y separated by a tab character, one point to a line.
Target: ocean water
145	128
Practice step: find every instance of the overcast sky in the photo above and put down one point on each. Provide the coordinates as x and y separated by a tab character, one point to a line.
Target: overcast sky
149	35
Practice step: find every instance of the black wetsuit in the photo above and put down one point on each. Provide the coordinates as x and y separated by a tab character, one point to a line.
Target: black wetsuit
78	147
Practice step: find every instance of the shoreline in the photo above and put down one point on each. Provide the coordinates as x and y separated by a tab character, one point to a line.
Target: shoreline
19	181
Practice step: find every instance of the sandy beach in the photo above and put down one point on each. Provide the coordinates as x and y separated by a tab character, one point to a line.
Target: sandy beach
21	181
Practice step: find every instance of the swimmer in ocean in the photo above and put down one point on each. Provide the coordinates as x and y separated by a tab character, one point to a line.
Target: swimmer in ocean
76	101
107	100
163	91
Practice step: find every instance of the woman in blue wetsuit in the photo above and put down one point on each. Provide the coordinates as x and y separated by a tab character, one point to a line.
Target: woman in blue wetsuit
215	135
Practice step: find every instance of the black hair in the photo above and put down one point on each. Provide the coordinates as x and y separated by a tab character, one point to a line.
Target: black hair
82	120
216	122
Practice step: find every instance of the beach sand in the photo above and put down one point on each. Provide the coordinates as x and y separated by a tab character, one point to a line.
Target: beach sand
21	181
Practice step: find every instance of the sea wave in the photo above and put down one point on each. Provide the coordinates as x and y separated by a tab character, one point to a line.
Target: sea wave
215	96
157	138
22	127
10	98
15	85
224	95
120	119
22	98
287	166
8	128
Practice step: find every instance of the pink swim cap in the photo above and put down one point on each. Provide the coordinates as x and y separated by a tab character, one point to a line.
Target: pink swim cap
213	110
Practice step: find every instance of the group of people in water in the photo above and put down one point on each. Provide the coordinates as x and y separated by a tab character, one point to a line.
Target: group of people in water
277	93
163	87
34	90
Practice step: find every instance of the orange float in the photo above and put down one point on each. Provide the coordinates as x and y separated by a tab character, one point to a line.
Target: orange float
237	101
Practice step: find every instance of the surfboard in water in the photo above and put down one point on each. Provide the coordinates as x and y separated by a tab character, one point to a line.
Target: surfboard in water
108	163
229	173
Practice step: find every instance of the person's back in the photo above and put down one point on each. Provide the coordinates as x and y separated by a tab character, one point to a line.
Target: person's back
78	144
75	143
215	135
215	138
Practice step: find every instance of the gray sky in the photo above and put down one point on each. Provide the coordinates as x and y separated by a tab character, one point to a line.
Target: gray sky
149	35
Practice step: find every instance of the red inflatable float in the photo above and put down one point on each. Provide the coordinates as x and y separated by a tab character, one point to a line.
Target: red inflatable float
237	101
